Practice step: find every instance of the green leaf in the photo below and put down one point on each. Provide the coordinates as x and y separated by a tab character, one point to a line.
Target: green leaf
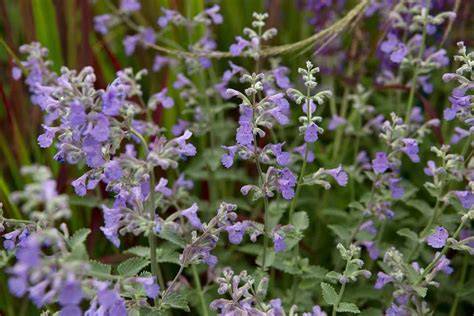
139	251
168	233
78	252
420	290
333	275
175	300
47	30
300	221
79	237
422	206
100	267
340	231
132	266
329	294
405	232
347	308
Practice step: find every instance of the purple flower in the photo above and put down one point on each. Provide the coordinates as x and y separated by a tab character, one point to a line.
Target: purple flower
16	73
438	238
180	127
335	122
369	227
339	175
237	48
149	284
311	133
466	198
395	188
191	215
80	185
18	285
111	302
71	293
130	43
317	311
411	149
282	157
301	151
161	187
372	249
459	134
380	163
394	47
236	232
397	310
129	5
112	218
46	139
278	241
430	170
164	99
213	13
181	81
286	183
382	280
443	264
281	77
101	23
244	134
112	171
228	158
70	310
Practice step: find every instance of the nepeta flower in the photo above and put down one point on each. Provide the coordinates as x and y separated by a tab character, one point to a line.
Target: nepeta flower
149	284
335	122
382	280
380	164
466	198
286	183
438	238
339	175
244	134
395	188
129	5
236	232
411	149
278	240
191	215
395	48
311	133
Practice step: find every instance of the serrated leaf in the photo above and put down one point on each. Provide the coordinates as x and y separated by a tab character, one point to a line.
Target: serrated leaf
139	251
79	252
300	221
171	235
79	237
420	290
100	267
269	259
132	266
329	294
333	275
175	300
167	255
405	232
344	307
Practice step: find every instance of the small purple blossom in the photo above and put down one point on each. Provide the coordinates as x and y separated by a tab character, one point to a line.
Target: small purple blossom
380	164
191	215
410	148
438	238
311	133
339	175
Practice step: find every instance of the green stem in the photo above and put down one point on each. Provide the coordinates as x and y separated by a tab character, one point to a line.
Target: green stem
460	285
341	292
197	282
442	253
155	267
411	96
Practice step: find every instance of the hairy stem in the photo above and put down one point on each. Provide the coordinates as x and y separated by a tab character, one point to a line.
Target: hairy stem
411	96
150	205
341	293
